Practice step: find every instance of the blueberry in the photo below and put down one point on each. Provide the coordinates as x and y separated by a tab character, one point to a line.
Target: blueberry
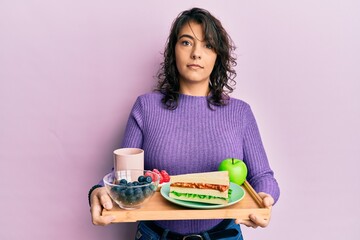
139	194
148	179
115	189
135	183
129	192
137	191
130	199
122	193
141	179
123	181
147	191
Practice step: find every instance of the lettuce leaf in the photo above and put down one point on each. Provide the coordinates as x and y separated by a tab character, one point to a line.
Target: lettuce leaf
201	196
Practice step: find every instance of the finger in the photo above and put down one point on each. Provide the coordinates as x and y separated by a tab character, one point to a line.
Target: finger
258	220
105	201
103	220
247	223
97	219
104	197
106	220
96	211
268	200
95	208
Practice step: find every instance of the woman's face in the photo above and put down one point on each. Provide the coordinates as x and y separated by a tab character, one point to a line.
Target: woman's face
195	58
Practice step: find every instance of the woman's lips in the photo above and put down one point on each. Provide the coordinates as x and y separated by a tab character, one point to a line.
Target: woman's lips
194	66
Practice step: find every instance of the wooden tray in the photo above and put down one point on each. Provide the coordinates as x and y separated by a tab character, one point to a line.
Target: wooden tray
158	208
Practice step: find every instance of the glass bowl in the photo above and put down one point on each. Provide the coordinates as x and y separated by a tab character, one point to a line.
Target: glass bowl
131	189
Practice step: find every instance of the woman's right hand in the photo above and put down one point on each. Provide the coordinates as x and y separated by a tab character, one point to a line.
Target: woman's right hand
99	199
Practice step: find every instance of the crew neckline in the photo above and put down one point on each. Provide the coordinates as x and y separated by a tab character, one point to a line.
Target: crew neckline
191	96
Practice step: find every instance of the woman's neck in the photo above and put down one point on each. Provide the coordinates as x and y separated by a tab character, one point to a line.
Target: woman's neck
195	89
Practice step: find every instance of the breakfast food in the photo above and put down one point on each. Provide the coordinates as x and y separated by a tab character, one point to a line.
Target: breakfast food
133	192
207	187
164	176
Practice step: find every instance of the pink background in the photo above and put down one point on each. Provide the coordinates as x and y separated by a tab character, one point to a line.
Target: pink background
71	70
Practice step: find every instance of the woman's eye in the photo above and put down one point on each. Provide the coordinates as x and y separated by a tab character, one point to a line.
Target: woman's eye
185	43
209	46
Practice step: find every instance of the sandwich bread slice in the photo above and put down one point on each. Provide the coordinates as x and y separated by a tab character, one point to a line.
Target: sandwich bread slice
207	187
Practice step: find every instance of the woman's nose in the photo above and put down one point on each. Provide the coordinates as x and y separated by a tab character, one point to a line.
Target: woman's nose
196	53
195	56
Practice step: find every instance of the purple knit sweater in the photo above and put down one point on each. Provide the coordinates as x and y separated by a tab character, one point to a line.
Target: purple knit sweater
193	138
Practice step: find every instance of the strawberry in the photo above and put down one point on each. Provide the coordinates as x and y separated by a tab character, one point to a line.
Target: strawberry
158	173
165	176
149	174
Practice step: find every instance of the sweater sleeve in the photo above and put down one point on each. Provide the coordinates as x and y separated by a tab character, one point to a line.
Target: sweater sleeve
260	175
133	136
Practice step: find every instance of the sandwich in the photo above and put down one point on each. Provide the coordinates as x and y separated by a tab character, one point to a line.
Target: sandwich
207	187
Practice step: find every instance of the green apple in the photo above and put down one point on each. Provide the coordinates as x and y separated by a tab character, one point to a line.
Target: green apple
237	169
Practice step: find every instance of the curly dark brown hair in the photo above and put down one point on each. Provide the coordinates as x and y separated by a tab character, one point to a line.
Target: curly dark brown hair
223	74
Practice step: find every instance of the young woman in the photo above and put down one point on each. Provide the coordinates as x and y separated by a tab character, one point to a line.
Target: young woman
190	124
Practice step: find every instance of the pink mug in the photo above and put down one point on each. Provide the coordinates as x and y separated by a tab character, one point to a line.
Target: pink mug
128	158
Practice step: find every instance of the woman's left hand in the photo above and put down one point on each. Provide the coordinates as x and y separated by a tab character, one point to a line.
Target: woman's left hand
255	220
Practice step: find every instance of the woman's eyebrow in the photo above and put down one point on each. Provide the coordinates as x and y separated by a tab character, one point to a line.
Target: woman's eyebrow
186	35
